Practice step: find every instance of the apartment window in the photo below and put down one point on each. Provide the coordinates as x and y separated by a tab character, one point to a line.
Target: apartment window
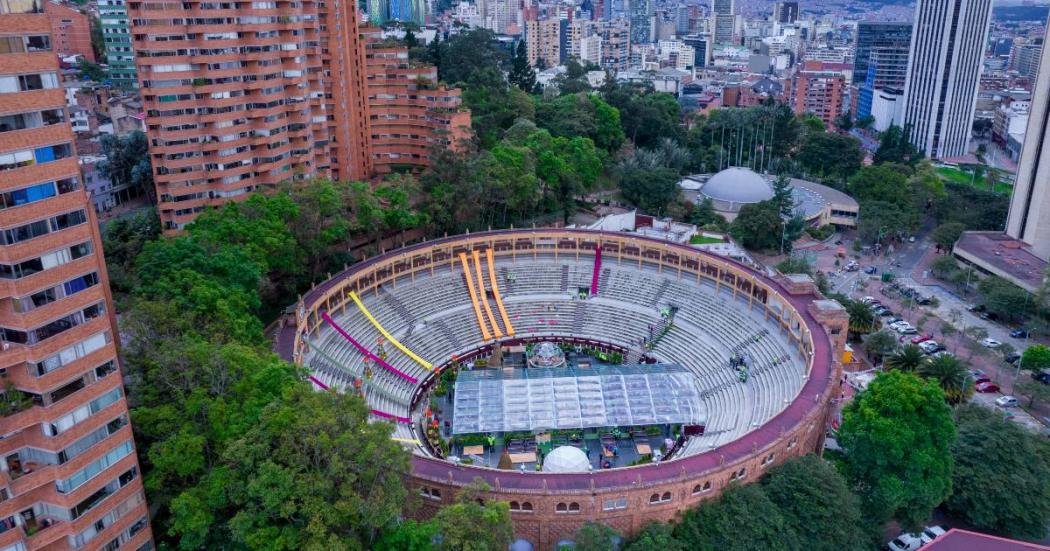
94	468
47	261
614	504
73	418
21	6
28	83
22	44
43	227
109	489
70	354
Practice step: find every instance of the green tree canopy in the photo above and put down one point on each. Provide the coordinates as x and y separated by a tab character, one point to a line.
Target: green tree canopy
831	156
898	434
1001	480
469	525
1036	357
758	226
816	504
907	358
646	115
595	536
312	473
582	115
894	147
743	518
522	74
950	373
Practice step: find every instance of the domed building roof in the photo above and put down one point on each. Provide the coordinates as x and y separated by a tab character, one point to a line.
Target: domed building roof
737	186
566	459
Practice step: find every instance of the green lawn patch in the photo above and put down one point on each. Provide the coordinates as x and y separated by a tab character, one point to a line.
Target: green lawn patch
704	240
965	177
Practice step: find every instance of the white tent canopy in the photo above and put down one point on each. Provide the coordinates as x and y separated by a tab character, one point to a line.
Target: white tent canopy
536	399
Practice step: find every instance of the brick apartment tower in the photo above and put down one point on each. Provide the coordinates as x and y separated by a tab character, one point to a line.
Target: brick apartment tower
242	96
410	113
70	31
817	89
69	476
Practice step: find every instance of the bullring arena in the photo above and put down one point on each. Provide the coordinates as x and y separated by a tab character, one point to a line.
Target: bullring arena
598	376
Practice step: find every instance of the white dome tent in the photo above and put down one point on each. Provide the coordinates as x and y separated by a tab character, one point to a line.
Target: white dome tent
566	459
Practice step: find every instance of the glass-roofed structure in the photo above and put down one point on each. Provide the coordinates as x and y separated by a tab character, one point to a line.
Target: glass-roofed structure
539	399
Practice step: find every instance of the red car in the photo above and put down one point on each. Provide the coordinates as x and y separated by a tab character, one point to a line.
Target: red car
921	338
982	378
987	386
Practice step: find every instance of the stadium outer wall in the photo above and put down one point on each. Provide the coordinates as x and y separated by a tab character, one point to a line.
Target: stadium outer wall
547	508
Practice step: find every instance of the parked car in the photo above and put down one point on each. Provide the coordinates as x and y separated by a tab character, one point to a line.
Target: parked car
870	270
922	301
990	316
976	308
987	386
886	313
921	338
1006	402
989	342
930	347
1019	333
1012	357
905	542
869	300
931	533
982	378
1042	376
977	373
909	330
852	267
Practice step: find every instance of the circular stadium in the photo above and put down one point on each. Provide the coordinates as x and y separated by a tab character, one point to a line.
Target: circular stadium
585	376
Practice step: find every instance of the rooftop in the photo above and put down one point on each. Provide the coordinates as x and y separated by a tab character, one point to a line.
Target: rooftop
1004	256
964	540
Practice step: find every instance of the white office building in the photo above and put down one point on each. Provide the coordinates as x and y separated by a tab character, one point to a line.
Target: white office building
944	70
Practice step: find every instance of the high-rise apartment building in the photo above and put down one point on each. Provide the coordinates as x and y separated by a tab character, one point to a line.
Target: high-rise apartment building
240	99
407	11
71	31
785	12
723	24
410	113
817	90
1029	218
880	61
616	44
944	69
643	22
116	35
1026	58
543	42
69	477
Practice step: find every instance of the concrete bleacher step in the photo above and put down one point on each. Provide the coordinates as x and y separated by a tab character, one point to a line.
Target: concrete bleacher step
398	306
564	278
578	318
660	291
449	335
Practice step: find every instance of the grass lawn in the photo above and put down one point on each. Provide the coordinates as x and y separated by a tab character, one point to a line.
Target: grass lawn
703	240
965	178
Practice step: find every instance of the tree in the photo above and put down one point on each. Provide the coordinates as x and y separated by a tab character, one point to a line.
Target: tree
1036	391
720	524
898	434
816	503
647	182
98	42
945	235
782	196
123	238
832	156
880	344
470	525
880	219
91	71
522	74
976	334
704	215
655	535
1036	358
907	358
582	115
647	115
861	317
950	374
894	147
127	160
943	266
1004	299
410	38
408	536
976	209
758	226
311	473
995	460
595	536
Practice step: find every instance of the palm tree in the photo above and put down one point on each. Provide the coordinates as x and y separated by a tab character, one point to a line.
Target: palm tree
950	374
861	317
908	358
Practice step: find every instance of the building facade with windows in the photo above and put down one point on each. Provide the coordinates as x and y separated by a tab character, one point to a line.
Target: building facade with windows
71	31
243	96
116	35
69	477
944	69
881	60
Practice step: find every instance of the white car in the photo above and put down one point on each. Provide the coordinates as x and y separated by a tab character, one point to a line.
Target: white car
899	323
931	533
905	542
929	347
868	300
1006	402
990	343
903	328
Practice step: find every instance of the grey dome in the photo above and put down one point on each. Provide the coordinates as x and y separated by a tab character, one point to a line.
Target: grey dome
737	185
566	459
